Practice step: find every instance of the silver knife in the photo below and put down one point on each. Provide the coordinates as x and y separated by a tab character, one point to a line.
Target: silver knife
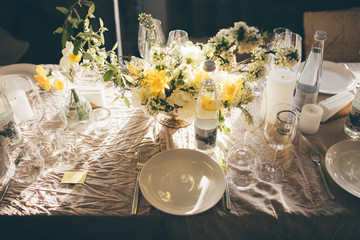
17	161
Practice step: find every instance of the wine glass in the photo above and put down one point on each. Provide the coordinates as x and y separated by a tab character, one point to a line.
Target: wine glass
49	130
275	35
144	36
257	109
26	163
178	37
279	131
21	101
241	163
289	40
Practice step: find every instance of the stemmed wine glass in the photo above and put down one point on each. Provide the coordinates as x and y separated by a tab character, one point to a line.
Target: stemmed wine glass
177	36
279	131
287	40
49	131
257	109
147	38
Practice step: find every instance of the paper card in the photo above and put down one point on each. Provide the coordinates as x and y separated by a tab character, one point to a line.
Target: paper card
74	177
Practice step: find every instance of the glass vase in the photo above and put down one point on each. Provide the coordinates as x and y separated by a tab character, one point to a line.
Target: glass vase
77	108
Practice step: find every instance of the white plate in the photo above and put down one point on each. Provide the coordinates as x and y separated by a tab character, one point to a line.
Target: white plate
182	182
335	78
18	75
342	162
19	68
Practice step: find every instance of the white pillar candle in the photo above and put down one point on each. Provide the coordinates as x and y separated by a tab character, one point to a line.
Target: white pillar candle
280	87
310	118
20	105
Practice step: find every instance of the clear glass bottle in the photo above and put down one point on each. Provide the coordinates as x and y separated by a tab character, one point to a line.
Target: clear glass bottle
207	110
10	133
352	122
308	86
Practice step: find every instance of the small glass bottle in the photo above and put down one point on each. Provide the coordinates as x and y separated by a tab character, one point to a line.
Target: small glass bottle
352	122
308	87
207	110
10	133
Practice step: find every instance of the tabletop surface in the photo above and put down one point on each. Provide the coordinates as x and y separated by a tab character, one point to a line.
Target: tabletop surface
298	207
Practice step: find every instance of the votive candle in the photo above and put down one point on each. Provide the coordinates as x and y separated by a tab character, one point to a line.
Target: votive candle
310	118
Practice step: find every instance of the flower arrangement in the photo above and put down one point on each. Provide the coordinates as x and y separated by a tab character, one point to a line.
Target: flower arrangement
171	79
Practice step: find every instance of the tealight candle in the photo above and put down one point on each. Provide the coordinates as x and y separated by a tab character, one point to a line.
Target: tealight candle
280	87
20	105
310	118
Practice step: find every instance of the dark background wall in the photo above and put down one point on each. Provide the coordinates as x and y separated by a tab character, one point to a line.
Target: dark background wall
35	20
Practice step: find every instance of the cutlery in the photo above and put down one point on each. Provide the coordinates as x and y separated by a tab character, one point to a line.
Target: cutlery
140	163
17	161
314	155
227	196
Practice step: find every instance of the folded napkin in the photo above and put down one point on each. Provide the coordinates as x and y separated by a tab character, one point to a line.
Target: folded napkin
94	95
335	104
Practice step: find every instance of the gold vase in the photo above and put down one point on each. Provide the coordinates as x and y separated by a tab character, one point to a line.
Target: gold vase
172	120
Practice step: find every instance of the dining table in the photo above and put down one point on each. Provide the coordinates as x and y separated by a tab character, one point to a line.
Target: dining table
297	207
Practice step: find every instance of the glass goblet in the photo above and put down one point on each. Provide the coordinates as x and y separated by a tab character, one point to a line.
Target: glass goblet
146	36
241	163
177	37
291	41
30	162
257	109
279	131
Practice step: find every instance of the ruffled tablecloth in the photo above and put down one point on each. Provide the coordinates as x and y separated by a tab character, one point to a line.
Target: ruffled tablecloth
296	208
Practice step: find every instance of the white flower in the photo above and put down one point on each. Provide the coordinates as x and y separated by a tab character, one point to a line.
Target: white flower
185	100
69	60
138	96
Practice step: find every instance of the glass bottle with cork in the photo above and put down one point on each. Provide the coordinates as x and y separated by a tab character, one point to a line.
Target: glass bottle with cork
308	86
207	111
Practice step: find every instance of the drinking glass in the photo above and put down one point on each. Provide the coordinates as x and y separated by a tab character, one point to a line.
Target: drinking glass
257	109
287	40
178	37
275	35
31	162
279	131
145	37
49	130
241	163
21	101
101	121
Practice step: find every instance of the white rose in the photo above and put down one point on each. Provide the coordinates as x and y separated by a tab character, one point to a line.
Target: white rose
137	97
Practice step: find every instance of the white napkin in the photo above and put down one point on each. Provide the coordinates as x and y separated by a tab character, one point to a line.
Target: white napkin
334	104
95	95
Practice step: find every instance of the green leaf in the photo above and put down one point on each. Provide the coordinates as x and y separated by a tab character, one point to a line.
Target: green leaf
87	56
108	75
91	9
59	30
63	10
226	129
101	22
126	101
76	47
115	46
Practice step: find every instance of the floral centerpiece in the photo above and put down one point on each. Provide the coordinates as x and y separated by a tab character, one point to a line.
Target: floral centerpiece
169	82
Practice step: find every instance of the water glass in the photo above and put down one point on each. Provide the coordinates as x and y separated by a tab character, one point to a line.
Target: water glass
178	37
101	120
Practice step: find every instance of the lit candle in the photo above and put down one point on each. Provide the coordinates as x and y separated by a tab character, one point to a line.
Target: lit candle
20	105
310	118
280	87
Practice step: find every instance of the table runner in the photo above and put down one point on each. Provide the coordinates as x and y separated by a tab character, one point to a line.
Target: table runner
296	208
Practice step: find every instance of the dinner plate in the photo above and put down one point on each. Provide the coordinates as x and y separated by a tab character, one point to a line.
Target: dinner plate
18	75
182	182
335	78
342	162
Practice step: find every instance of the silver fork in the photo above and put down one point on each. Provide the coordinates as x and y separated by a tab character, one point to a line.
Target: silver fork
314	155
139	165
